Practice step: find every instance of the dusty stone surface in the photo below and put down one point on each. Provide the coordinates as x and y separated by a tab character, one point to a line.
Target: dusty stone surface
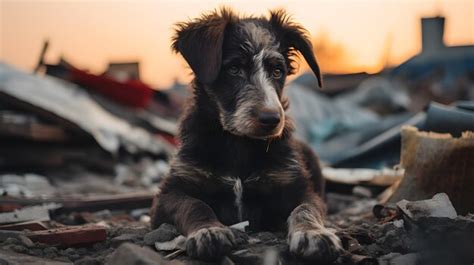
13	258
366	239
129	254
165	232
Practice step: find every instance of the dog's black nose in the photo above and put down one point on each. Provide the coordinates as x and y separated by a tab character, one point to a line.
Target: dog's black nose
269	118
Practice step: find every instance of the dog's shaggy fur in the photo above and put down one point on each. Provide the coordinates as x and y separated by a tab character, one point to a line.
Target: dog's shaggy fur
238	160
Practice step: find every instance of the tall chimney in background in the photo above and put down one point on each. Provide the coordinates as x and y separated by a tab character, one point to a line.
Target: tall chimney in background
432	31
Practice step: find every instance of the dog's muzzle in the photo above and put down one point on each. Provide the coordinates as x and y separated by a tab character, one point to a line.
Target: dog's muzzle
269	119
269	123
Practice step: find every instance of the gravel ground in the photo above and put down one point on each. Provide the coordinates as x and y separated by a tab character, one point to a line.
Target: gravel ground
366	239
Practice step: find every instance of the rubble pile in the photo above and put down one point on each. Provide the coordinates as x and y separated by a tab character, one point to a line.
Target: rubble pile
79	166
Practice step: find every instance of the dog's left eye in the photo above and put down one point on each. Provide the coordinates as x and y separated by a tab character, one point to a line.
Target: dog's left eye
276	73
233	70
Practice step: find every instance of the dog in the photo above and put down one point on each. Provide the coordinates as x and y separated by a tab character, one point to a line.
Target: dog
237	158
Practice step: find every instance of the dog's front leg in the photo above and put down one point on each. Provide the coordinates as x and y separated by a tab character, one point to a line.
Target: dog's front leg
307	236
207	238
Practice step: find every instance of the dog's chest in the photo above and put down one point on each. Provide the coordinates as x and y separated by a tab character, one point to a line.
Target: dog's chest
236	187
248	199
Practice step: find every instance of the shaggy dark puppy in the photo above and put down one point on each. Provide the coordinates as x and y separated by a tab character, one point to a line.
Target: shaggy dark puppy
238	160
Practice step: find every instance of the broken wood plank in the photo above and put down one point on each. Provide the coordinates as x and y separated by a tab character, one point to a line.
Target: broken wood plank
70	236
358	176
127	201
32	226
20	156
27	126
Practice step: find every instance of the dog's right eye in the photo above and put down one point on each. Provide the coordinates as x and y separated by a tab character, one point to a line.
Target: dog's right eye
233	70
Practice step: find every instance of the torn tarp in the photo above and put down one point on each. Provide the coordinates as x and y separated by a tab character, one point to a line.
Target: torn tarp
67	102
435	162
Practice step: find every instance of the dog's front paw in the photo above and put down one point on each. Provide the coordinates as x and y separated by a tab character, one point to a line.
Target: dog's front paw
210	243
316	245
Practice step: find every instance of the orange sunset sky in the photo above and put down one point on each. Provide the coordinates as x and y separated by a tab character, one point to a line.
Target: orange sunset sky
89	33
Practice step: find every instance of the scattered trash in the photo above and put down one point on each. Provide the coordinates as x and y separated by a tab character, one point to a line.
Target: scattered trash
33	213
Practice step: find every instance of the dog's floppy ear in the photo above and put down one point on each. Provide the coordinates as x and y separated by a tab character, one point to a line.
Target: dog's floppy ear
294	38
200	43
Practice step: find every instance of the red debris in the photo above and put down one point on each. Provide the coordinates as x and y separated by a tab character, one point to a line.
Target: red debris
9	207
132	93
69	236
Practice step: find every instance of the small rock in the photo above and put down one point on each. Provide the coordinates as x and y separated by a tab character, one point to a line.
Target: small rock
164	233
240	237
145	219
26	241
35	252
69	251
6	234
19	248
103	215
118	240
130	254
265	237
398	223
99	246
395	239
50	252
74	256
11	241
398	259
374	250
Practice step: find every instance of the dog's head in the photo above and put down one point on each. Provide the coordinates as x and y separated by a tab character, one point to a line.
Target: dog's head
242	64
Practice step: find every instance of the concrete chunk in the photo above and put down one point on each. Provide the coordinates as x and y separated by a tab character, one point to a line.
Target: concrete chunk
438	206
